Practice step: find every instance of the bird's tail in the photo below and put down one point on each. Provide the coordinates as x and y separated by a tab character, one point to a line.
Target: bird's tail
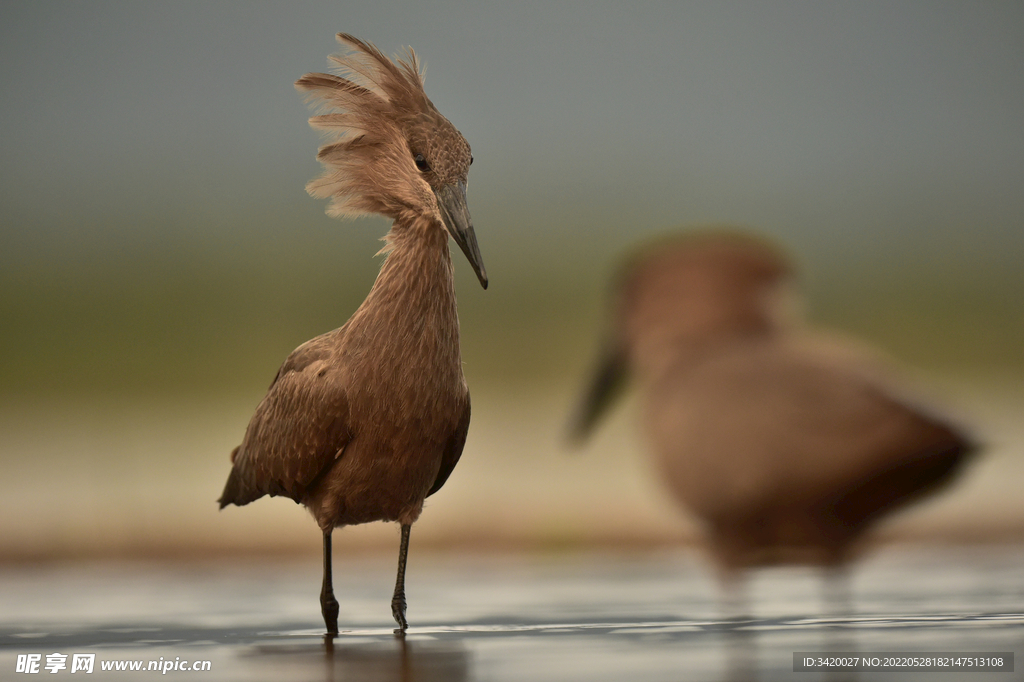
233	487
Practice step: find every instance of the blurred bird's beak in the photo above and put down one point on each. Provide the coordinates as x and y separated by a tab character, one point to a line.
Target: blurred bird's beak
455	211
606	383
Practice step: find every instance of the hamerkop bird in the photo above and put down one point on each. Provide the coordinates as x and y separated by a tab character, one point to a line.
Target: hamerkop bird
364	422
786	444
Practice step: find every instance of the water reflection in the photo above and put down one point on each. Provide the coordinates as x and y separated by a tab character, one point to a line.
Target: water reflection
396	659
652	618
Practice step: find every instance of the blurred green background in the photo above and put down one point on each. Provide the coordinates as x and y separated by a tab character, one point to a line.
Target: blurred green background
159	257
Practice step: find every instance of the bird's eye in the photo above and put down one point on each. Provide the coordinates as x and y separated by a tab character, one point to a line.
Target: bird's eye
421	163
470	159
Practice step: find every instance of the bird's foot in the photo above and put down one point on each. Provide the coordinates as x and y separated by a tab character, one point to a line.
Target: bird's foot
398	611
329	607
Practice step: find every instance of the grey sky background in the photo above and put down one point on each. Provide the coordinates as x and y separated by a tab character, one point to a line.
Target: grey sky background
833	124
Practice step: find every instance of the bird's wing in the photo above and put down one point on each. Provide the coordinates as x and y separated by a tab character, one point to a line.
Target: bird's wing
766	425
300	427
861	426
452	451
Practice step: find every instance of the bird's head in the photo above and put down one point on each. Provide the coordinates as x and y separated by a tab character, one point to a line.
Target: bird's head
698	289
680	297
392	151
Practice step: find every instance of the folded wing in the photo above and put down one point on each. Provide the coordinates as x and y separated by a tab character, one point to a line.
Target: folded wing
298	431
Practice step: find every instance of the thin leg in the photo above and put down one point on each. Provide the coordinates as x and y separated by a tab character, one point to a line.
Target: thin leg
740	648
733	588
328	604
398	601
838	603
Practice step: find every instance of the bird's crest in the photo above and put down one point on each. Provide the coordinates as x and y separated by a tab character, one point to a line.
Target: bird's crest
369	107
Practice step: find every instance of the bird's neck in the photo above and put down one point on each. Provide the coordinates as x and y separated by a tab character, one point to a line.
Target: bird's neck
411	308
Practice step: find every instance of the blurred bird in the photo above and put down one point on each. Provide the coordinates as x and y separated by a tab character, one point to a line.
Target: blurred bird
364	422
786	444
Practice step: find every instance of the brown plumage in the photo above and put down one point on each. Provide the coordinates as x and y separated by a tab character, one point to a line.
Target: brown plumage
364	422
787	444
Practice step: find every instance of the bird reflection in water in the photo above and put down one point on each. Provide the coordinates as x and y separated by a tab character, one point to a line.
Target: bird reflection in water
387	659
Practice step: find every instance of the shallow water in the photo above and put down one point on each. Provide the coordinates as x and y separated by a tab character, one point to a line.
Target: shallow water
595	617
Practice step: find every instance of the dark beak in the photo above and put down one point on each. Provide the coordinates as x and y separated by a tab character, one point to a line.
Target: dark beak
455	211
606	383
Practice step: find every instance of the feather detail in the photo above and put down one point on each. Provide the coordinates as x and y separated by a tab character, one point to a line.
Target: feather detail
377	118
